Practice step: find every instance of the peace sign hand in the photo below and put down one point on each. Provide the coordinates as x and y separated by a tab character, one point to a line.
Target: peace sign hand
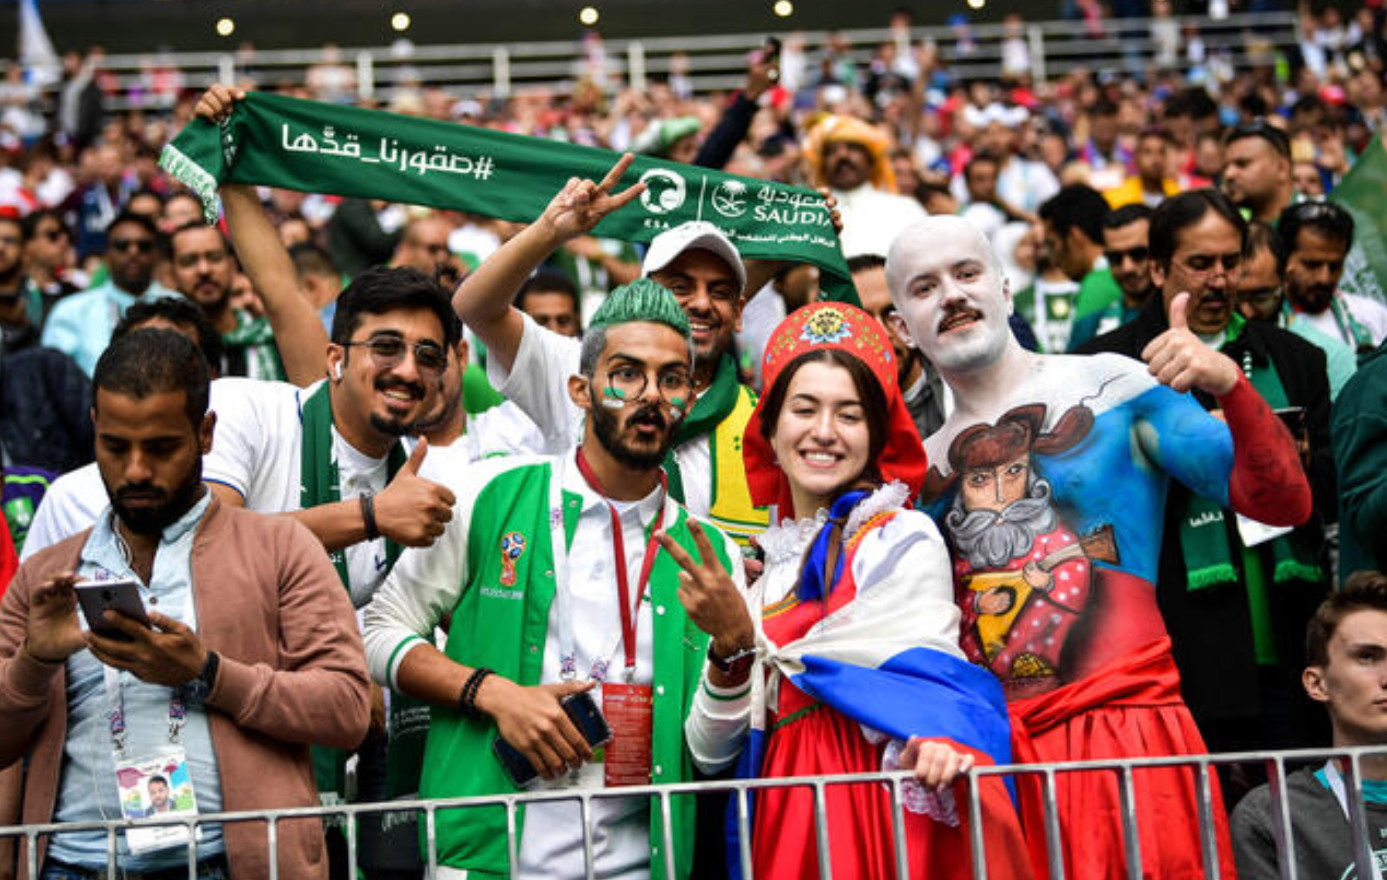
582	204
710	596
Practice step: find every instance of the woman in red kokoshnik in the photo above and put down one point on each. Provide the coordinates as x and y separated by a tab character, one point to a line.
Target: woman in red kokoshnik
844	656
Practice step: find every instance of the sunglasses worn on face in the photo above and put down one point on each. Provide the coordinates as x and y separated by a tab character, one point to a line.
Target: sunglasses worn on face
140	245
389	351
1136	254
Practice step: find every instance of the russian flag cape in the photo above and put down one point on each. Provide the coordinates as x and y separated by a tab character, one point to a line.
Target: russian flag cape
869	657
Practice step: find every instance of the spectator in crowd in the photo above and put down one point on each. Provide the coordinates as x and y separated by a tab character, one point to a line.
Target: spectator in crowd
1224	579
252	648
424	246
202	271
80	325
551	300
1257	169
1345	652
19	327
851	158
1318	236
44	399
1016	481
919	382
831	393
48	262
362	233
1073	222
1261	298
1127	251
510	666
75	499
180	209
1360	454
528	364
1152	181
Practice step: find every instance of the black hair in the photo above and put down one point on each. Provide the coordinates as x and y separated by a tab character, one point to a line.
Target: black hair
549	281
1103	107
1187	209
1264	131
1076	205
309	259
156	778
181	313
383	289
1328	219
863	262
145	223
154	361
1262	236
30	223
1127	214
198	224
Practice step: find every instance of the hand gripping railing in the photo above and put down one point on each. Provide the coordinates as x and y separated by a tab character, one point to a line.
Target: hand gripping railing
1203	766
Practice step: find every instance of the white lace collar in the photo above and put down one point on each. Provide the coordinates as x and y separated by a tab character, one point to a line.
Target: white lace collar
787	541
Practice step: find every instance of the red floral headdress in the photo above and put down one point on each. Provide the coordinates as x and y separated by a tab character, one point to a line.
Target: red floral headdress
854	332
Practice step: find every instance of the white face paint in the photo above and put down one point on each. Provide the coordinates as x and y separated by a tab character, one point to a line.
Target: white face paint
948	289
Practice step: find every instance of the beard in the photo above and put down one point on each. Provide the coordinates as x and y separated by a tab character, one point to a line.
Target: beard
153	520
990	538
394	427
608	429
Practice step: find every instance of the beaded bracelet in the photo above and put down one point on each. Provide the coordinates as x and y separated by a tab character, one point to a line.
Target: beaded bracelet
467	700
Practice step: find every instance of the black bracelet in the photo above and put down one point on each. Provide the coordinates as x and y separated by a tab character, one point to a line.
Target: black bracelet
467	700
368	515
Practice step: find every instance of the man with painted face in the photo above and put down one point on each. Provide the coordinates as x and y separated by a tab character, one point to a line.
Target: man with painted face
528	363
1234	595
1094	677
556	587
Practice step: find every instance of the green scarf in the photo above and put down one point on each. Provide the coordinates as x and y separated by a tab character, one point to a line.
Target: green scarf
254	338
711	407
319	484
309	146
1208	537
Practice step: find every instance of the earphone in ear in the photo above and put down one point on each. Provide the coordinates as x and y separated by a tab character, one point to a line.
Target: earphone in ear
337	370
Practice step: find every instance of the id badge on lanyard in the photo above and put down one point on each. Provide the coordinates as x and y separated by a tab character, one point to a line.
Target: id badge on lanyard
154	784
626	706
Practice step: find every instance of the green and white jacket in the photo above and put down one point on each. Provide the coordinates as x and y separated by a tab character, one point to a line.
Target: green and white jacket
500	608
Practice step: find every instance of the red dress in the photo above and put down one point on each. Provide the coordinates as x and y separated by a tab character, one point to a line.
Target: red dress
808	738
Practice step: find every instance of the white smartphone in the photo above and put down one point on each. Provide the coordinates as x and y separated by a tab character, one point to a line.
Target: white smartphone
96	597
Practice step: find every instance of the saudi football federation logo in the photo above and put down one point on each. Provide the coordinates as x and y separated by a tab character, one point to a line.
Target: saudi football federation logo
664	191
512	546
730	198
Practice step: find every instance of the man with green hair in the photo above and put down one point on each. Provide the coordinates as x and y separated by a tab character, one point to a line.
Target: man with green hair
557	589
706	274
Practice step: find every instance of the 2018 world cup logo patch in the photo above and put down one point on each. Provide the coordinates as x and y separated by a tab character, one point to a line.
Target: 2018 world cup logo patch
512	546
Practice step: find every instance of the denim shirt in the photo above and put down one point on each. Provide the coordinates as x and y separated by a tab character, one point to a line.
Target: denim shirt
88	790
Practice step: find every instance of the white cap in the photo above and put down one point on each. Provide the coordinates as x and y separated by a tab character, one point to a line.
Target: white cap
698	235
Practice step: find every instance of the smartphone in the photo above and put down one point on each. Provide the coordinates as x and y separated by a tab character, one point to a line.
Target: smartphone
583	711
1294	419
96	597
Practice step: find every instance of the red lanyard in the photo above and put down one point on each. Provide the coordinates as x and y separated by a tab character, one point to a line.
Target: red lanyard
628	616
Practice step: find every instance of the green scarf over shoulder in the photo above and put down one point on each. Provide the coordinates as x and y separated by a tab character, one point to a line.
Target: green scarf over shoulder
308	146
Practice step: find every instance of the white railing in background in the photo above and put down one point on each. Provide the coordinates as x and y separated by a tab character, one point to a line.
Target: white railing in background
715	63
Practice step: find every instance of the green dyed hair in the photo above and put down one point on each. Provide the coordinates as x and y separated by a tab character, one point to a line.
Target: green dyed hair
642	300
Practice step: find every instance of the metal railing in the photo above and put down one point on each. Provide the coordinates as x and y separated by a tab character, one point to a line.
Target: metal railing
715	62
1203	766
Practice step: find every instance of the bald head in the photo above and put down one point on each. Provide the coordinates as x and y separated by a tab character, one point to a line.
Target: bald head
948	288
942	237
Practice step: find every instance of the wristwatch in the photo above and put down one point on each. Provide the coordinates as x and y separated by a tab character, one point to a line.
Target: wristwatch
196	691
737	663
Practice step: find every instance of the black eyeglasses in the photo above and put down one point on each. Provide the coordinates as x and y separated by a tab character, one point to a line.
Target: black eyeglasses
1136	255
389	351
139	245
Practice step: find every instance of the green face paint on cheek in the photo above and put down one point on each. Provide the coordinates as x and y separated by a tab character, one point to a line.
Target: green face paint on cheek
677	402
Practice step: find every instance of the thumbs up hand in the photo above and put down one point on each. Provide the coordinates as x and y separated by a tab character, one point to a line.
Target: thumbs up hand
412	510
1181	360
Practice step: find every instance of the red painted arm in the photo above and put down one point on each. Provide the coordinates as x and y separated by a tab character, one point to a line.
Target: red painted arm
1267	483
